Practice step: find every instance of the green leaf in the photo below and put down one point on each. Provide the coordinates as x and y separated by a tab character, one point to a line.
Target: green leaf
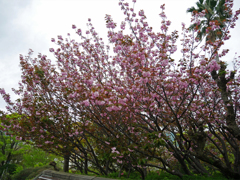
191	9
213	4
221	72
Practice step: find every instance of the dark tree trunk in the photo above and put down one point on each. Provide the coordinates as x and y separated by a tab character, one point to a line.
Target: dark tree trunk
86	165
66	163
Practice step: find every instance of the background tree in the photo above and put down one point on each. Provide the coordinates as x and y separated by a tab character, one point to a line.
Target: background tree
10	153
215	17
214	12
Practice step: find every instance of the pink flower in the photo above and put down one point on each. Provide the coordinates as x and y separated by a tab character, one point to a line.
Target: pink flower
168	23
18	138
60	37
146	74
107	142
90	81
123	25
79	31
162	6
141	13
120	162
122	101
130	150
86	102
100	103
73	26
95	94
115	108
109	109
118	47
51	50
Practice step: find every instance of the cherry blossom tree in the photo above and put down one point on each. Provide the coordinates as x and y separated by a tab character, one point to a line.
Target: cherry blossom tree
138	108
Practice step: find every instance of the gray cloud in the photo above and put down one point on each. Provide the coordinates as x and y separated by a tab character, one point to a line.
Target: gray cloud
10	47
32	23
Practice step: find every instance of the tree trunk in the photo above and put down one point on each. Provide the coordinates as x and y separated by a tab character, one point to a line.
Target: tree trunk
86	165
66	163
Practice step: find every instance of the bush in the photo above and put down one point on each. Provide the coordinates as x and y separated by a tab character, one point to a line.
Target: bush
11	168
29	173
23	175
157	175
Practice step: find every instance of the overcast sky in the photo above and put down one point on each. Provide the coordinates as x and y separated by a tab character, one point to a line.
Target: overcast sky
31	24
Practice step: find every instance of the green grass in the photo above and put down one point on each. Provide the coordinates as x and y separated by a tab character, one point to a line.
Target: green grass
161	176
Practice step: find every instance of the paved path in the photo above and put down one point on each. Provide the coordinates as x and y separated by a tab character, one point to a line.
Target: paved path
55	175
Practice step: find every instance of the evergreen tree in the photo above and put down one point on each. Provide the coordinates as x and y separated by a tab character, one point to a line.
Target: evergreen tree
215	12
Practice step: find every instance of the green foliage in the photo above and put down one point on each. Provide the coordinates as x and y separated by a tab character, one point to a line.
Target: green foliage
36	157
39	164
25	155
162	175
34	160
18	169
47	121
150	176
23	175
221	72
134	175
215	11
10	149
11	168
29	173
142	161
12	116
39	72
199	177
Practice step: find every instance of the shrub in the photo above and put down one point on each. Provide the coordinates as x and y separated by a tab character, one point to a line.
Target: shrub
29	173
11	168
